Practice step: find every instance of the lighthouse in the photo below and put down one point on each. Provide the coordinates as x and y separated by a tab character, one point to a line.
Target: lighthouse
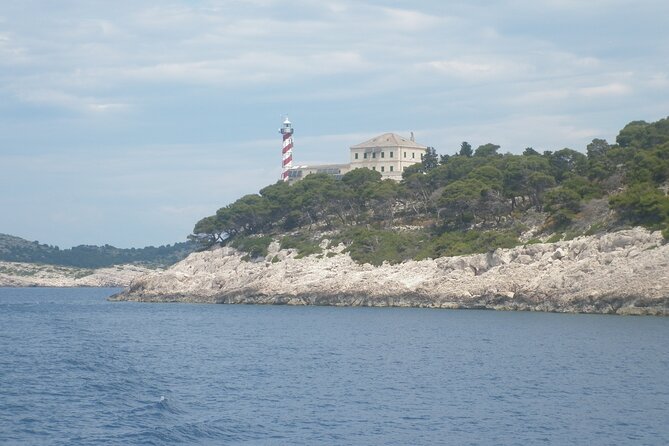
287	131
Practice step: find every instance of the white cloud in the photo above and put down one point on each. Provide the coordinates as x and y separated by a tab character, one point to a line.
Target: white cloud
54	98
659	80
10	52
564	91
612	89
202	77
514	133
466	69
251	68
167	16
408	20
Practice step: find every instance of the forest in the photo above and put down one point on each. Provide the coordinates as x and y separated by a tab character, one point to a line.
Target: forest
16	249
473	201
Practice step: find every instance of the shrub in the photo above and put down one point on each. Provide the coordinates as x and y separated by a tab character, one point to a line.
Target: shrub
554	238
642	204
376	246
468	242
304	245
254	246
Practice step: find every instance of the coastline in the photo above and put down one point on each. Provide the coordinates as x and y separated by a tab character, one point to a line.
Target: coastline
625	272
19	275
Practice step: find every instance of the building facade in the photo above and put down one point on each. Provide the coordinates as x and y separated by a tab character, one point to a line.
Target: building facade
389	154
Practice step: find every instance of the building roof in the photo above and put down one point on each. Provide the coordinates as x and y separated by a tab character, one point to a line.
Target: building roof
389	140
320	166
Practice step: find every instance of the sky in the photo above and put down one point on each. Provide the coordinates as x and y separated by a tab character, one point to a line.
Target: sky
125	122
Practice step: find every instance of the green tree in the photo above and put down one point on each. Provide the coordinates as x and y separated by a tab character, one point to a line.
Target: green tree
539	182
249	214
567	162
486	150
642	135
466	149
562	204
356	192
642	204
279	198
459	200
430	159
650	166
519	181
381	198
456	168
360	178
208	231
411	170
597	148
585	188
489	175
321	197
600	165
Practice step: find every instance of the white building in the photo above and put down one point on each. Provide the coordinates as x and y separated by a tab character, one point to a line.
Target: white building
388	154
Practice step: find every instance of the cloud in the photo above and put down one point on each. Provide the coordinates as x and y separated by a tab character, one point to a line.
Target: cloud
612	89
659	80
407	20
514	133
53	98
250	68
138	107
563	92
10	52
471	70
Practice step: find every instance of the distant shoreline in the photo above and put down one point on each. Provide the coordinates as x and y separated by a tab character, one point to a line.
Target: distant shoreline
20	275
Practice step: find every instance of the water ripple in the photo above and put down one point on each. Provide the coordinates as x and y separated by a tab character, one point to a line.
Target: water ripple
76	369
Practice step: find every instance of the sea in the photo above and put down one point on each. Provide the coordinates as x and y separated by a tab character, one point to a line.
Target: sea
76	369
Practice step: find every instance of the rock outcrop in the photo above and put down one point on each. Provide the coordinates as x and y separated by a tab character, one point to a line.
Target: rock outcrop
626	272
15	274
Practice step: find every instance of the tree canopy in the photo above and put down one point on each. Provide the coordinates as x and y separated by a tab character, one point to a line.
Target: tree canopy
468	190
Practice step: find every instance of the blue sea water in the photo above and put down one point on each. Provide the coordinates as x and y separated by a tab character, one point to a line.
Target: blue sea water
76	369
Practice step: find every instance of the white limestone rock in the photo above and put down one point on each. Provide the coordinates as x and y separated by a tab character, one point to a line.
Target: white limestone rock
625	272
15	274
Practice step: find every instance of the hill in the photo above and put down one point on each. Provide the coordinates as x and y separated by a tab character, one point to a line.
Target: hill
472	202
552	231
16	249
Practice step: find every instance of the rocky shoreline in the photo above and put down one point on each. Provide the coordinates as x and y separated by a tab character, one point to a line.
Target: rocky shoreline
625	272
16	274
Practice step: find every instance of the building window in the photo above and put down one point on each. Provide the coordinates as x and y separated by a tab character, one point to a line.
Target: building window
365	155
383	154
405	154
383	169
413	154
391	154
391	167
356	156
373	167
373	154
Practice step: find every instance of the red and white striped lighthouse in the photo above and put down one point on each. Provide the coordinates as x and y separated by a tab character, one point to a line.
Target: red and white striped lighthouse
287	132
